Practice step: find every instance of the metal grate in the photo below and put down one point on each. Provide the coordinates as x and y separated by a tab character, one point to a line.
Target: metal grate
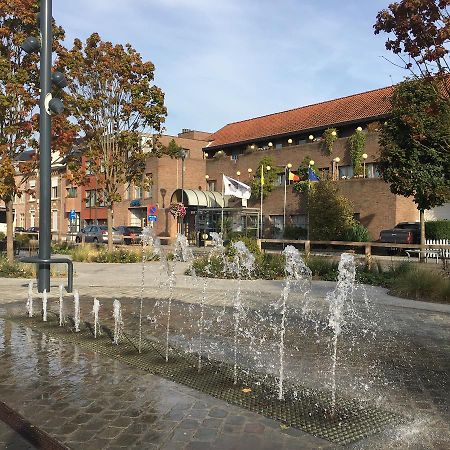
309	410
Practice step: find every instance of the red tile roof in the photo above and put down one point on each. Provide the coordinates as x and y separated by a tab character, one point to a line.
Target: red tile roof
355	107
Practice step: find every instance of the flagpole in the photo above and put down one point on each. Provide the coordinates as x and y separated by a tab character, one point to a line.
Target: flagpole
223	203
261	206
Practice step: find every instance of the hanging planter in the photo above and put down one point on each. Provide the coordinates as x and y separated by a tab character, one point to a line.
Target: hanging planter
177	210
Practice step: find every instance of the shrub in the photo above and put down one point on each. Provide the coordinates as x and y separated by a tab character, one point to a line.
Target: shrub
65	248
438	229
270	266
84	253
292	232
23	239
2	236
357	233
250	243
422	284
325	268
15	269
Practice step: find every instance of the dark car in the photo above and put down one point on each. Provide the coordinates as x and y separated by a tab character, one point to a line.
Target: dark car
33	230
402	233
130	234
19	230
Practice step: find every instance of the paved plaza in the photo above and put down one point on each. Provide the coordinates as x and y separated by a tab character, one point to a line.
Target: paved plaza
88	400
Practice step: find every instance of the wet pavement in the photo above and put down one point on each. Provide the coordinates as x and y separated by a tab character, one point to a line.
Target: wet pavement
91	402
395	353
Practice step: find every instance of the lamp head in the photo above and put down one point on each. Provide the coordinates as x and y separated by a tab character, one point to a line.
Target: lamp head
289	165
238	173
270	144
364	156
249	170
59	80
268	167
289	141
31	45
311	163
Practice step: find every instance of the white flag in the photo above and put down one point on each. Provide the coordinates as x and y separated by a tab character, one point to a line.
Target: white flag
235	188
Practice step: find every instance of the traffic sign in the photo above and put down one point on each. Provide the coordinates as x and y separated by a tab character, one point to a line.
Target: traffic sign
152	218
72	214
152	210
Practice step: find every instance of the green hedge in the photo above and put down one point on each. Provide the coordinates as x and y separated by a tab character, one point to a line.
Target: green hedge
437	229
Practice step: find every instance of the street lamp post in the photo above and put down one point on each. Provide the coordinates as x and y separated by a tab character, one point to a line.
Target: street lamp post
336	168
310	164
287	169
262	190
364	157
183	157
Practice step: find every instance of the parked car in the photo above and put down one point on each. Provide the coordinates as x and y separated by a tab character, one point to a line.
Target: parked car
130	234
98	234
402	233
33	230
19	230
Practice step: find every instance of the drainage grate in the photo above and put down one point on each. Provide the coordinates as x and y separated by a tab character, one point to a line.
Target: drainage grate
309	410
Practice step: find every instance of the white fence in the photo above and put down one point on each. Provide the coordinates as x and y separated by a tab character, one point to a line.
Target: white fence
442	252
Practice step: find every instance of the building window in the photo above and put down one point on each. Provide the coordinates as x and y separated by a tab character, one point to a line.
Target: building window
89	167
138	192
345	172
54	192
127	194
279	145
149	193
372	170
32	218
299	220
72	192
211	185
234	155
55	220
22	220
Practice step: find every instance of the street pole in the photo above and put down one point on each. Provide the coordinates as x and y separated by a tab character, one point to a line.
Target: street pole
183	155
284	201
261	207
44	146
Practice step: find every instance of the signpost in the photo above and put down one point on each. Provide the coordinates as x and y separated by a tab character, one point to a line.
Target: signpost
152	214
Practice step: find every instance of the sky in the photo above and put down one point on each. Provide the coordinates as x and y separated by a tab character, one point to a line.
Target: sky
221	61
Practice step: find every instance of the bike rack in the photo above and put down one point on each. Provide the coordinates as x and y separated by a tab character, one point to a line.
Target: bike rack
38	260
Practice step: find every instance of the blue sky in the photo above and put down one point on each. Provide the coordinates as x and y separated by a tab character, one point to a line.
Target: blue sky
220	61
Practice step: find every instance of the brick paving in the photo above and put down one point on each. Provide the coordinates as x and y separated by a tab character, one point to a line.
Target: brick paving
89	401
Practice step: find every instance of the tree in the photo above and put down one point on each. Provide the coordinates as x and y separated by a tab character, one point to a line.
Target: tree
330	214
415	152
174	150
18	83
421	34
114	100
270	175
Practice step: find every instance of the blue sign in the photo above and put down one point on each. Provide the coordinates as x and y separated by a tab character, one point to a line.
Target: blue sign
72	214
152	218
152	210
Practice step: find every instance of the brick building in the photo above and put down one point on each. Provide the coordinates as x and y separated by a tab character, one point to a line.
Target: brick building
236	150
291	136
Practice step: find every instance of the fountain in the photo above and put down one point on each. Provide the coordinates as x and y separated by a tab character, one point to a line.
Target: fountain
337	298
298	275
44	305
76	316
30	299
118	322
61	309
95	311
243	264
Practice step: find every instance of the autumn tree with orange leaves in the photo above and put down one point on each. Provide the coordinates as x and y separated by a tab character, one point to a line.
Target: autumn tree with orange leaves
113	99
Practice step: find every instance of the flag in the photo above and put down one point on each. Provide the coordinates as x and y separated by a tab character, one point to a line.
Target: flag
262	176
236	188
293	177
311	175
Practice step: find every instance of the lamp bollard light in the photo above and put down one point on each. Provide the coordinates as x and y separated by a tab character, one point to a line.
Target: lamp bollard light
59	80
364	157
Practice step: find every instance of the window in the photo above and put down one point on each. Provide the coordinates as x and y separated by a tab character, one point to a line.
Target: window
234	155
90	199
149	193
32	218
372	171
54	191
89	167
279	145
299	220
211	185
280	179
22	220
345	172
72	192
138	192
55	220
128	192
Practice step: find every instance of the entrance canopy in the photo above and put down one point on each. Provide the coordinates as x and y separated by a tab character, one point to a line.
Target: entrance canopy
196	197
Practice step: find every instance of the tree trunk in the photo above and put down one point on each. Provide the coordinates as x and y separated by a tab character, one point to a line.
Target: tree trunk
9	231
422	235
110	228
